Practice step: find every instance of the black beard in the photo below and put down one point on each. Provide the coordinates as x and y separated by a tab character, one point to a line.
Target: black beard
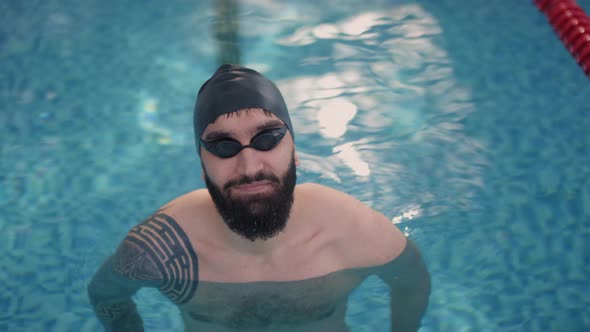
260	216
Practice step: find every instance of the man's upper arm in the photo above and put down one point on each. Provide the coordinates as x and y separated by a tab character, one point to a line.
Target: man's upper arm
113	285
409	283
407	268
155	253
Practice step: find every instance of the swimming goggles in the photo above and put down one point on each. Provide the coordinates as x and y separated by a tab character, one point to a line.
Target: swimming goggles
226	147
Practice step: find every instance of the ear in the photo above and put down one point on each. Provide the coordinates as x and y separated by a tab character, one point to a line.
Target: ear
296	157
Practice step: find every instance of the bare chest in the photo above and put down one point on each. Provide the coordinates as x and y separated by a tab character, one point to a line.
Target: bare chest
257	305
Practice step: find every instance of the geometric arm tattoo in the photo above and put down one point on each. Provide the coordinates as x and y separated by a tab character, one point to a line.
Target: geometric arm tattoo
156	253
165	255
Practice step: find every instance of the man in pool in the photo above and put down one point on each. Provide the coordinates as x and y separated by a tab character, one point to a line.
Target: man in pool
255	251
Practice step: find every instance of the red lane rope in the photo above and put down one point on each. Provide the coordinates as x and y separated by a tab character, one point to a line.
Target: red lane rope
572	26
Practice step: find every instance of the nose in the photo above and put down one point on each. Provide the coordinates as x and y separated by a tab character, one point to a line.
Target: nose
249	162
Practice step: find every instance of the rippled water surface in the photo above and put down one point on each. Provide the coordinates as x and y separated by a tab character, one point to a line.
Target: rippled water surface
467	126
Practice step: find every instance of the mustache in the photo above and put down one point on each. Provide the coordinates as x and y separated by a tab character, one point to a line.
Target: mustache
261	176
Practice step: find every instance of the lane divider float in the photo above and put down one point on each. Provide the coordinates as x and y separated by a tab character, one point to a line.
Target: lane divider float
572	26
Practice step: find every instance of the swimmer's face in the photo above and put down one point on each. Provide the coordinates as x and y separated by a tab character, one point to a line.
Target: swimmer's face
252	190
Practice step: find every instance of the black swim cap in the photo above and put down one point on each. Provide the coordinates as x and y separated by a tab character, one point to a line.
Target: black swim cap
232	88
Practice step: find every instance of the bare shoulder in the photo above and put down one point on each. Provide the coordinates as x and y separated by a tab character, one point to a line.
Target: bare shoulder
361	235
185	208
196	215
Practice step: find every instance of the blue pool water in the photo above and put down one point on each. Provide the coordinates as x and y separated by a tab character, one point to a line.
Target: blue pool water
465	122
